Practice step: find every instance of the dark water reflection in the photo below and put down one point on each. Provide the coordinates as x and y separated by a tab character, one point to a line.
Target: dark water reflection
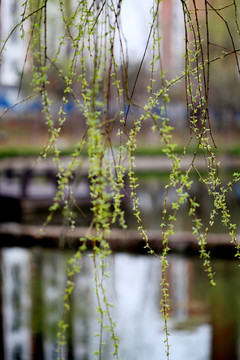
151	193
204	322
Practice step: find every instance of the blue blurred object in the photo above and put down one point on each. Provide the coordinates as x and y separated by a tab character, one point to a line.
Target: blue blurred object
4	101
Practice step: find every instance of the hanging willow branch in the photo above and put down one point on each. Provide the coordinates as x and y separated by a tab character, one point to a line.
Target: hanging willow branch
91	60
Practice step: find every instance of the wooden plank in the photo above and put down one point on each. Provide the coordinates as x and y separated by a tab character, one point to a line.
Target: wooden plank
12	234
142	163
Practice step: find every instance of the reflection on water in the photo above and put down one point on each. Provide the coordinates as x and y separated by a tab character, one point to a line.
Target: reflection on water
16	302
203	324
53	280
151	193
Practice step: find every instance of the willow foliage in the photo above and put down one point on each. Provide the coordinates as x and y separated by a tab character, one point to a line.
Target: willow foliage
90	58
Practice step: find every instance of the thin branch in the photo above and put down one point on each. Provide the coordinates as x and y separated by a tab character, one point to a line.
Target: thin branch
142	60
229	32
19	24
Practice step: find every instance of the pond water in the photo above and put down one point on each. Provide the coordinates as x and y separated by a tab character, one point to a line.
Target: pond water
151	194
204	322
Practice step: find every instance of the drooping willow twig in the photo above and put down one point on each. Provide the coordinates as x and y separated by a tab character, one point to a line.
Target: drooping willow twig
92	75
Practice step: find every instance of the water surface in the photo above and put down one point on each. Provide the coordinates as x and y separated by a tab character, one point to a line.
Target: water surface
203	322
